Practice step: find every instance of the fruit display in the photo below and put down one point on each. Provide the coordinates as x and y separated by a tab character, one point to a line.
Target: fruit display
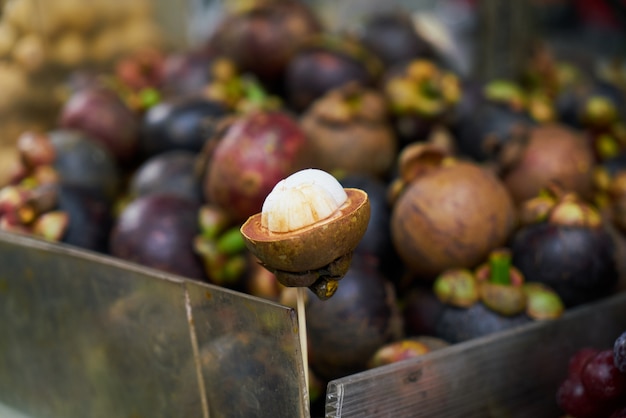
414	207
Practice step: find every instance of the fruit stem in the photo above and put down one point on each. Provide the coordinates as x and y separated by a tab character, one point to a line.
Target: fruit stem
500	267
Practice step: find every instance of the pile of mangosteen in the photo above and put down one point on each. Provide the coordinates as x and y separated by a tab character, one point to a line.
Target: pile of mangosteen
493	203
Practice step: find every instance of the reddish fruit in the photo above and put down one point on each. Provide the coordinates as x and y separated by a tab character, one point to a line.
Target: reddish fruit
251	155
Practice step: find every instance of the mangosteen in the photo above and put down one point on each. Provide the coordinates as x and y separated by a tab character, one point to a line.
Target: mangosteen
590	104
481	127
186	72
421	310
349	131
327	62
76	159
391	35
183	123
90	218
308	230
141	69
262	38
446	212
421	95
376	242
57	212
549	153
493	298
174	172
565	244
405	348
101	114
345	331
157	231
222	249
252	153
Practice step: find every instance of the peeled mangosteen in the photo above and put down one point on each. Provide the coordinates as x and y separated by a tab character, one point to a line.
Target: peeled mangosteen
349	131
446	212
345	331
327	62
262	38
100	113
172	172
182	123
549	153
249	156
565	245
391	35
157	231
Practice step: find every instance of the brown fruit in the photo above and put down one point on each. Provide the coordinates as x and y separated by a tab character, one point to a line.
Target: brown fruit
349	131
312	247
451	216
552	153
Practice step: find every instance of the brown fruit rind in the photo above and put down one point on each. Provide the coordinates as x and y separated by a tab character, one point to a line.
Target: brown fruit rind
312	247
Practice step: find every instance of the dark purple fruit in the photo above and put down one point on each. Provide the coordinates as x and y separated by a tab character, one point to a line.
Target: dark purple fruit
619	352
90	218
183	123
377	241
101	114
456	325
261	39
481	128
345	330
84	163
172	172
391	35
157	231
421	311
577	262
186	73
326	63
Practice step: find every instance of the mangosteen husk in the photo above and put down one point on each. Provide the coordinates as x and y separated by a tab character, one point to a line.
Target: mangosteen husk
312	247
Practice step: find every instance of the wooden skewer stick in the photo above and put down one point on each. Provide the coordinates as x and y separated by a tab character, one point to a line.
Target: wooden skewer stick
302	328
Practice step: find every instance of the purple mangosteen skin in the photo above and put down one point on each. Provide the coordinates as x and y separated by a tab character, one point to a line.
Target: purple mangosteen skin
157	231
577	262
